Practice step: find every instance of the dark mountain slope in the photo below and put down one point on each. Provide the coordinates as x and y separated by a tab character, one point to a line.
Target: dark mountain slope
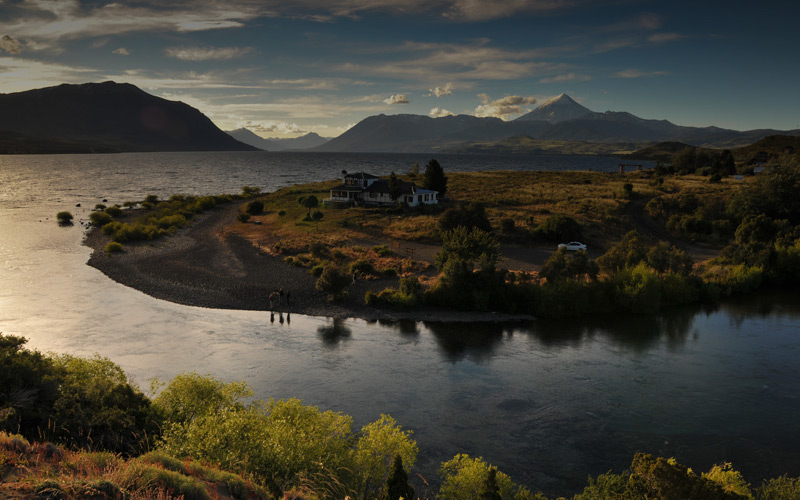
114	116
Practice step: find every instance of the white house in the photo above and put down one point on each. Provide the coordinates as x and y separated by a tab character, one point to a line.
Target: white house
366	189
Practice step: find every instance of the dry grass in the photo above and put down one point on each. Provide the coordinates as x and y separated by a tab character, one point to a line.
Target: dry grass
44	470
597	200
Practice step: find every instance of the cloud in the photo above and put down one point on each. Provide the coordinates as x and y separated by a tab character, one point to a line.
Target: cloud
207	53
122	51
18	74
459	62
69	19
504	107
10	45
272	127
397	99
439	112
635	73
568	77
481	10
441	91
665	37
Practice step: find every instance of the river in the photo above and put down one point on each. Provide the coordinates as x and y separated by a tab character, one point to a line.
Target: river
548	403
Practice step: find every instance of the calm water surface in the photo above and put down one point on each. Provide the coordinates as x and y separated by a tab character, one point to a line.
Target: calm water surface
548	403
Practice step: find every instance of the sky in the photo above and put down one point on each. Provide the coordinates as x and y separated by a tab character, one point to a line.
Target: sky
285	68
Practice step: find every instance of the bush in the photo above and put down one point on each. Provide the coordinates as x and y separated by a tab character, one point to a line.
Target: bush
114	211
382	251
362	266
243	217
320	250
114	247
507	225
317	270
469	216
100	219
255	207
64	218
557	228
333	281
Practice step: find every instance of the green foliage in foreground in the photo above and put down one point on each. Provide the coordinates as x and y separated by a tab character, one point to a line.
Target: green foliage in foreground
284	443
276	447
84	403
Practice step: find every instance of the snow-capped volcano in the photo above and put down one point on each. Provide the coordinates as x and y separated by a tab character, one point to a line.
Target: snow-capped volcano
556	110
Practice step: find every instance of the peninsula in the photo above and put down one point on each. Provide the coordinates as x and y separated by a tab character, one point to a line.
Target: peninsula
487	251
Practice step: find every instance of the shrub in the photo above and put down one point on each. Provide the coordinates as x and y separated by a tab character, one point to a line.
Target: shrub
779	488
558	228
370	298
282	213
250	191
100	207
333	281
507	225
243	217
362	266
320	250
114	211
64	218
100	219
255	207
317	270
469	216
382	251
114	247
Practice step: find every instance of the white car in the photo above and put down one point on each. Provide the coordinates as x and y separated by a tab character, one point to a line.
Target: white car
573	246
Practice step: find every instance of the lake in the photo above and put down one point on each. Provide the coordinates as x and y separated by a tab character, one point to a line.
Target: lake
548	402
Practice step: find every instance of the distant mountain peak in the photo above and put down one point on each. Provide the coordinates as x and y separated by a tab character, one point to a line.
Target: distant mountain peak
558	109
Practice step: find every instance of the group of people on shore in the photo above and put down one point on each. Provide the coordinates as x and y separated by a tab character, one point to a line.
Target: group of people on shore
278	298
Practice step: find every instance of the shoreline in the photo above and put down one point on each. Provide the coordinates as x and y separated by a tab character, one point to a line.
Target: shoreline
203	266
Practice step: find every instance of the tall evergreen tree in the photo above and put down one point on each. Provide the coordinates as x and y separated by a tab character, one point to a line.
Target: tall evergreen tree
434	178
397	483
394	186
490	490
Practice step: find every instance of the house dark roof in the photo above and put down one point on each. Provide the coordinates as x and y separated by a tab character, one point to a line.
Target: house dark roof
382	186
361	175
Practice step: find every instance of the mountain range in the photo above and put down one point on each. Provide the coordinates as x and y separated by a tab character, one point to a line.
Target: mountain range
104	117
307	141
559	119
113	117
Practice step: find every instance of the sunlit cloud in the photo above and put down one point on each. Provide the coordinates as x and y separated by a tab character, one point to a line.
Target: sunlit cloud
635	73
397	99
207	53
271	127
504	107
10	45
447	89
18	74
568	77
439	112
122	51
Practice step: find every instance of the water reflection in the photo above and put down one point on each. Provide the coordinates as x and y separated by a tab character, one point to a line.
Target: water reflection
474	341
334	332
